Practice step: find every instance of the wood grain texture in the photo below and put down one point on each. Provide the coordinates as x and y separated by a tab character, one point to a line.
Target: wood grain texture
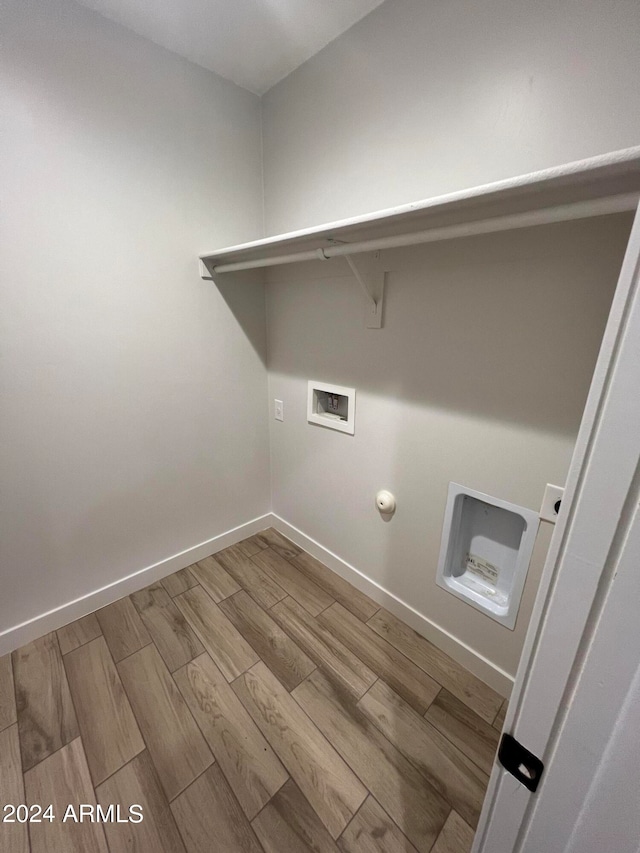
179	582
169	630
63	779
14	837
446	769
289	823
46	717
8	714
373	831
498	723
78	633
218	635
456	836
414	685
271	538
471	734
250	546
252	768
355	601
282	655
251	577
397	785
215	579
122	628
367	753
177	747
210	818
475	693
321	774
110	734
332	656
138	783
293	581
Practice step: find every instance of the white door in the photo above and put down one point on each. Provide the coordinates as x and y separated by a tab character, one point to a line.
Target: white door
590	800
559	710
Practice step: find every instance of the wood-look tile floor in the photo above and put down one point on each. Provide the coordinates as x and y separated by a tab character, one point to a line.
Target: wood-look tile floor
254	702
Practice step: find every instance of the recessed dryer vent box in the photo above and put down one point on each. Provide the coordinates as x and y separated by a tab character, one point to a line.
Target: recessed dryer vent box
331	406
485	552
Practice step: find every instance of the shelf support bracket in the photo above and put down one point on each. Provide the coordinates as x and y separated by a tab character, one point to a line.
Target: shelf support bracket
204	271
370	275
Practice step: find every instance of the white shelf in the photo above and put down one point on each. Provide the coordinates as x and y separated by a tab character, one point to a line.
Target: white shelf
605	184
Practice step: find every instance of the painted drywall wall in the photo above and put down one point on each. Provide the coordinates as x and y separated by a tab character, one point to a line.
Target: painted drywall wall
421	98
483	366
479	376
133	393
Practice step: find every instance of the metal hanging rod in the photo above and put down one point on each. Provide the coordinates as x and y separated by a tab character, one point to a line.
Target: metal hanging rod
544	216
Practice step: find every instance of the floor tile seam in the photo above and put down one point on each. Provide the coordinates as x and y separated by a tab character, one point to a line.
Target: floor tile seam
446	736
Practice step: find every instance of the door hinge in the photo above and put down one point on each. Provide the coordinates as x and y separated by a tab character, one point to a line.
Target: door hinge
524	765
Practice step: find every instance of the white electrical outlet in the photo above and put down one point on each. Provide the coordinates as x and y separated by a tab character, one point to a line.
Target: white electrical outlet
278	410
551	503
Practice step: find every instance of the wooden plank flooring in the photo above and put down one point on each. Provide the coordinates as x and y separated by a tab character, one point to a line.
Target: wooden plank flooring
498	723
46	717
250	576
250	765
123	629
293	581
414	685
446	769
170	631
462	684
335	586
63	780
138	782
254	701
323	647
397	785
471	734
373	831
289	823
220	638
13	836
179	582
8	714
455	836
282	655
109	730
209	817
215	579
78	633
177	747
336	793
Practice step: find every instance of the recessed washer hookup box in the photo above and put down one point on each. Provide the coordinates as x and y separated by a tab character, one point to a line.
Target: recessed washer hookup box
485	552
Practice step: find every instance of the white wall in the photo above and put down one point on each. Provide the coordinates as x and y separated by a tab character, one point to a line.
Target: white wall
481	371
479	376
427	96
133	394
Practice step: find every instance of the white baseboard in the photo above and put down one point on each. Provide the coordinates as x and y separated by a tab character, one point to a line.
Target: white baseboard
18	635
30	630
480	666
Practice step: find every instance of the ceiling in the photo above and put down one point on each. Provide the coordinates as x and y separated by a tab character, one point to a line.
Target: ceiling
254	43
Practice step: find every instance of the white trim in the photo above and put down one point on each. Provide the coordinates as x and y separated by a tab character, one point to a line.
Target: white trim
480	666
331	421
492	225
25	632
603	465
608	174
